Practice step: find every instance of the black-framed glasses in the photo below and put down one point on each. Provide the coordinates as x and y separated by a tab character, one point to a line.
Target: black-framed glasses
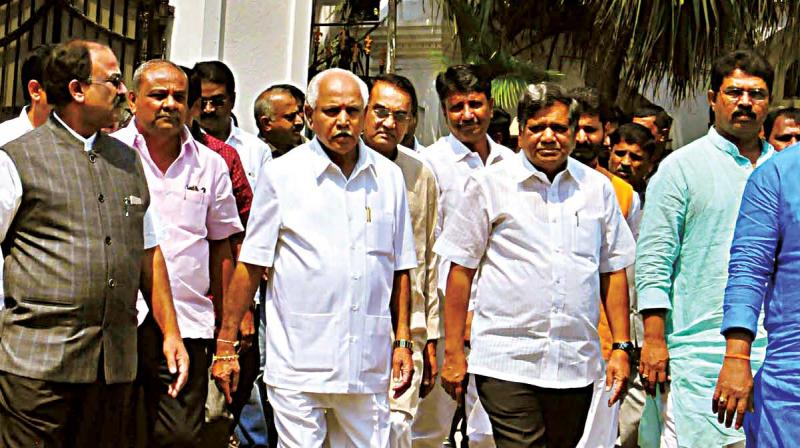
400	116
216	101
115	80
736	94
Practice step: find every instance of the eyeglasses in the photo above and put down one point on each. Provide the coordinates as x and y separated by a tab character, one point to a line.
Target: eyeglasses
215	101
115	80
736	94
786	138
400	116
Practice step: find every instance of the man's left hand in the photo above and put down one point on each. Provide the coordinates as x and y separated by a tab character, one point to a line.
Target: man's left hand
430	369
177	363
618	371
402	370
734	393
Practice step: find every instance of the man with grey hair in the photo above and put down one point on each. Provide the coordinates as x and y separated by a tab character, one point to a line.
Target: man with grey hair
191	189
279	116
548	237
331	222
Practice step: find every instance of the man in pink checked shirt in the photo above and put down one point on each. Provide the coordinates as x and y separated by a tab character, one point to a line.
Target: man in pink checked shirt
191	189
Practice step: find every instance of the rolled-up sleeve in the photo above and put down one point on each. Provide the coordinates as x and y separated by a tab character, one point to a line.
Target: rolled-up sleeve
618	249
222	219
753	251
464	238
660	239
263	225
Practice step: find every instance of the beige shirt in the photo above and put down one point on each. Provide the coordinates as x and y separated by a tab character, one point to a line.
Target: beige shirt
422	201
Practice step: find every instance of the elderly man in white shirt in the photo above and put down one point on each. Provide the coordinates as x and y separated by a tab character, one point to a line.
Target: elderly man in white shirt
331	221
551	244
467	106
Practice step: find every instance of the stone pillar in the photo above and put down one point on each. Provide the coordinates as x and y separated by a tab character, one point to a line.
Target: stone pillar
262	41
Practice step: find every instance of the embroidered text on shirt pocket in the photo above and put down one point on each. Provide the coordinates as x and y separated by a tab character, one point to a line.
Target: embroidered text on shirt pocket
380	233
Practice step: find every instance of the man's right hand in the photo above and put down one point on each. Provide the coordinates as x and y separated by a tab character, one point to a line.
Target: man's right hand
654	365
454	374
429	369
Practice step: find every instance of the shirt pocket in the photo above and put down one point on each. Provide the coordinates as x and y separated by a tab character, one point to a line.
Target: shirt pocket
377	344
193	211
314	340
380	233
587	235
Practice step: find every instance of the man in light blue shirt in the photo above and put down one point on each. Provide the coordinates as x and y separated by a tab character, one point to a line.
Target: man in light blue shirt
765	258
682	257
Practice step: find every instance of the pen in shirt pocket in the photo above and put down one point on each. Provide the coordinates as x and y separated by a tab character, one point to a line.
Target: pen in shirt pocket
577	220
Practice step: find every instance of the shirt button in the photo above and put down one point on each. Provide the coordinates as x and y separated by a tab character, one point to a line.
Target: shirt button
356	276
354	307
108	241
92	158
101	198
111	283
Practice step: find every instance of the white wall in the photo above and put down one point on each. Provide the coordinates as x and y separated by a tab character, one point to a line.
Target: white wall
262	41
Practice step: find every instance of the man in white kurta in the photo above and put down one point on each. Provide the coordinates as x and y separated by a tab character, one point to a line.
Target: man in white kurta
330	219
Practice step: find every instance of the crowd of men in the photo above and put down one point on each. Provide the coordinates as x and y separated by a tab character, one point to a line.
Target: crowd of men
168	273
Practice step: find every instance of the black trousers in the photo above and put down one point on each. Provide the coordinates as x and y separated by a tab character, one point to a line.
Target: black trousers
36	413
527	416
166	421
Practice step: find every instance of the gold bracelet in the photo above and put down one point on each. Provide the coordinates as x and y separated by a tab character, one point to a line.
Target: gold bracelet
225	341
737	356
233	357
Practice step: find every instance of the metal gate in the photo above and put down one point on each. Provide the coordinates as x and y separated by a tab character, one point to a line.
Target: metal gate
136	30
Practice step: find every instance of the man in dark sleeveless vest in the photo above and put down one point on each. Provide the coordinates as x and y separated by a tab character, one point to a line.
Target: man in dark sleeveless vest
78	243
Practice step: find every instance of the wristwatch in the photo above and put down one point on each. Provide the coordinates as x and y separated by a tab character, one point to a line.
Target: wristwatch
403	343
626	347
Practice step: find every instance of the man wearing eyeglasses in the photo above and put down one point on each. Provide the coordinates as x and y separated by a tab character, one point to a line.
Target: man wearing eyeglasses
782	127
218	95
79	240
279	116
392	104
682	260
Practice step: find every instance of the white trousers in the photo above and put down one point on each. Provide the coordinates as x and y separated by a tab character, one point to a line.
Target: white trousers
600	430
313	420
435	415
669	437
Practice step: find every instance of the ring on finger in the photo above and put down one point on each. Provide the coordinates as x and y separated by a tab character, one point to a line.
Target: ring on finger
722	399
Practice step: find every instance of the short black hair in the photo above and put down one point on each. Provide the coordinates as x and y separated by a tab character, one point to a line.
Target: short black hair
544	94
792	113
746	60
463	79
216	72
635	134
591	102
69	60
501	121
193	89
402	83
33	68
663	119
